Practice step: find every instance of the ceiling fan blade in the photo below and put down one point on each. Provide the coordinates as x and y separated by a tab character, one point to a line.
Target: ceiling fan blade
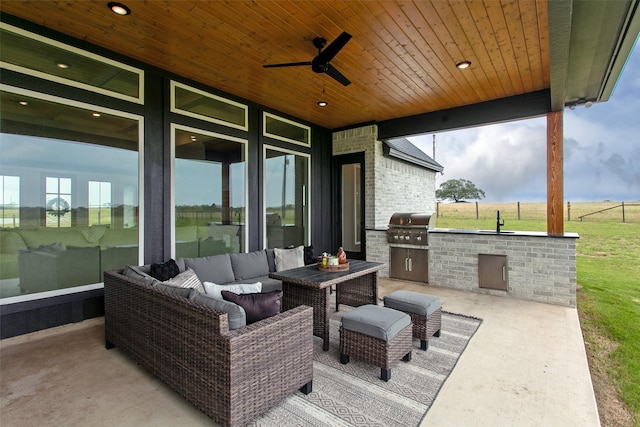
337	75
288	64
330	51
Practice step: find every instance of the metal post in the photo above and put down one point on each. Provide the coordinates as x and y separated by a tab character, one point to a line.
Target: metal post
568	211
477	215
622	211
518	211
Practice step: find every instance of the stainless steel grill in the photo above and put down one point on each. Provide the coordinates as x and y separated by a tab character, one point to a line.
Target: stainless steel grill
410	228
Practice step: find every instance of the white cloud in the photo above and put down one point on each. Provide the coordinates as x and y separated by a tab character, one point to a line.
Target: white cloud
508	161
503	160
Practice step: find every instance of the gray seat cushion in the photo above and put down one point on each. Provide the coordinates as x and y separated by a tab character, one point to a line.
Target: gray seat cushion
269	284
375	321
249	265
235	313
216	268
412	302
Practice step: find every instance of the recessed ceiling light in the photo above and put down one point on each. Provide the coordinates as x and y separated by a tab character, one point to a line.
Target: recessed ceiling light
463	64
323	103
23	103
95	114
119	8
62	65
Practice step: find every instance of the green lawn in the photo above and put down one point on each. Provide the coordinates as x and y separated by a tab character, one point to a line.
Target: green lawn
608	269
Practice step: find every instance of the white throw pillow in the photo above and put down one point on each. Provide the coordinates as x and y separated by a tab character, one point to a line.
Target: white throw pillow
287	259
215	290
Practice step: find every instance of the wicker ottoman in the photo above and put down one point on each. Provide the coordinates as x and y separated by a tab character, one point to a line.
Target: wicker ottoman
376	335
425	311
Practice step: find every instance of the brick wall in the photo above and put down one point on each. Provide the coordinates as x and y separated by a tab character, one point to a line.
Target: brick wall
391	185
378	249
540	268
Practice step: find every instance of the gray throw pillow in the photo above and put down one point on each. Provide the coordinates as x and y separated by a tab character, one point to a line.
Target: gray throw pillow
138	273
235	313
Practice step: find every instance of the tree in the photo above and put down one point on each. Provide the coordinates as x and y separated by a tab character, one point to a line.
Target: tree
459	190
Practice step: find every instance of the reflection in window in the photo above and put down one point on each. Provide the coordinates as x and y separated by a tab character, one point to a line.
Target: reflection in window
61	152
58	202
10	201
286	183
99	202
210	193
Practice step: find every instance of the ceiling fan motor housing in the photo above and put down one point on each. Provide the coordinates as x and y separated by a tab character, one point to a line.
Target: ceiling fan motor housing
318	66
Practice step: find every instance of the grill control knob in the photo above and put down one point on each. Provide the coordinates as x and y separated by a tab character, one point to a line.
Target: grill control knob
407	237
419	238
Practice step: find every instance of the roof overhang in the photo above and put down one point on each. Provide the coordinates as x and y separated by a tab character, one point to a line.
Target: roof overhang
590	44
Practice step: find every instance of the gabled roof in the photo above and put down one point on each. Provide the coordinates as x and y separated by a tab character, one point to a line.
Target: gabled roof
403	149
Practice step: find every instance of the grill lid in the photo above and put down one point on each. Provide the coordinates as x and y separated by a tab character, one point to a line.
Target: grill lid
417	220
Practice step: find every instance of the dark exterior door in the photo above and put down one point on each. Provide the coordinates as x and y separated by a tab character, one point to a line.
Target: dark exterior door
349	202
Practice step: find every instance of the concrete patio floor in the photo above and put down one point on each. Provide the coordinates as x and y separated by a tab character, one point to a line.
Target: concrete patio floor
526	366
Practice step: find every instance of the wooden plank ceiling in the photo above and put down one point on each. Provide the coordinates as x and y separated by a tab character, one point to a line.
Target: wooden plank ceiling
401	59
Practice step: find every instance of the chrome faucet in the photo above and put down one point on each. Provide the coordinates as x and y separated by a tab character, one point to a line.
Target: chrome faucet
499	222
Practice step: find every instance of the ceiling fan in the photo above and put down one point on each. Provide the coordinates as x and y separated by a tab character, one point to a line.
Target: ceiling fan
322	62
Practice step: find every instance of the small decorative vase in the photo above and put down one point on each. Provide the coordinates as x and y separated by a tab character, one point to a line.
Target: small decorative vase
342	256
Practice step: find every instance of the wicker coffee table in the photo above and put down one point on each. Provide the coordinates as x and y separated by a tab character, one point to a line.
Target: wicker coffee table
310	286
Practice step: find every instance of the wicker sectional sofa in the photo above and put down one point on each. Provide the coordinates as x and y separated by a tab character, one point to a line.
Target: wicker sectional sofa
232	375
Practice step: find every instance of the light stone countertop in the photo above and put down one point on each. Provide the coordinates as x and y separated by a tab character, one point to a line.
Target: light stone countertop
503	233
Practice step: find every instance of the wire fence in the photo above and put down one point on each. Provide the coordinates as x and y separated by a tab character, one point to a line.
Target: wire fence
615	211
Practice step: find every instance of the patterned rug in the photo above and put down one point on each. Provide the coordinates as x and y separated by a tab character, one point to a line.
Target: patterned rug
354	395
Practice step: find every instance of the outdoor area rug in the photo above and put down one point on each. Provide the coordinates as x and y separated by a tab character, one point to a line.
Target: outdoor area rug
354	395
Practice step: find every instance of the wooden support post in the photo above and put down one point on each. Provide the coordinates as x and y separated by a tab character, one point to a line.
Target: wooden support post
555	220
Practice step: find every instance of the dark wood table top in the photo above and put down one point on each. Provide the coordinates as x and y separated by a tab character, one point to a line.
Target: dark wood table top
312	277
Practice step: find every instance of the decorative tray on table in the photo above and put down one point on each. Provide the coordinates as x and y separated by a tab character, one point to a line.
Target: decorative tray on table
339	267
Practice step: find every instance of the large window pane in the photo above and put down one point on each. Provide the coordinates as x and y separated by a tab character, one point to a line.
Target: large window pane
209	192
72	197
286	195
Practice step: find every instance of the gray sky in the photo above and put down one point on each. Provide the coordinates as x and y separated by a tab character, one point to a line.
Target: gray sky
508	161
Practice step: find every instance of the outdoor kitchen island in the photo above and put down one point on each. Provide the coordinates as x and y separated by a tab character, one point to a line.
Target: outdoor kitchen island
527	265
